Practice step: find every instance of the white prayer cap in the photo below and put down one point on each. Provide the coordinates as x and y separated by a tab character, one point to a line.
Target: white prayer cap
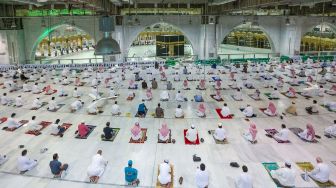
220	124
193	126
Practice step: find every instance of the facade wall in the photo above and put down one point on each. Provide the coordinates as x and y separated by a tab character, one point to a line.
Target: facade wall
205	39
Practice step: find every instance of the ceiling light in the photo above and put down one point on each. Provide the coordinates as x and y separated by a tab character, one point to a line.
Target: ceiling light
107	45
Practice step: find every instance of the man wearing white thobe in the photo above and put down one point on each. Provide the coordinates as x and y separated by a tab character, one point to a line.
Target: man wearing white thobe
52	105
285	175
225	110
92	108
32	125
18	101
37	103
76	105
191	134
202	177
331	130
165	173
248	111
179	112
179	97
12	123
244	180
320	172
97	166
116	109
24	163
219	133
282	134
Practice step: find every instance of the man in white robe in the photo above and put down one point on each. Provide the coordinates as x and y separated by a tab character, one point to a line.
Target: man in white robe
36	103
76	105
225	110
282	134
320	172
164	96
220	133
12	122
191	134
97	167
202	177
52	105
248	111
285	175
244	180
165	173
115	109
24	163
18	101
179	97
331	130
32	125
179	112
93	108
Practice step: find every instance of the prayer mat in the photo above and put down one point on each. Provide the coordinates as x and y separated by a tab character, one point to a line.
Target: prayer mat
59	107
232	87
263	111
307	166
22	122
302	76
219	112
200	88
225	141
43	104
269	96
330	81
250	87
329	135
272	132
167	141
297	130
222	88
235	99
272	166
128	114
215	78
3	119
115	133
91	127
329	93
54	91
251	95
66	126
327	108
44	124
187	142
143	116
284	93
186	88
136	87
158	184
290	76
38	93
142	139
130	98
220	100
307	97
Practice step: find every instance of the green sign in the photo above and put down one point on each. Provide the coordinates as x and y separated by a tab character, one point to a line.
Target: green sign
53	12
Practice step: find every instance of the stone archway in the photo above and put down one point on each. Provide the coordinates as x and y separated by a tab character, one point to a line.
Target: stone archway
45	33
142	28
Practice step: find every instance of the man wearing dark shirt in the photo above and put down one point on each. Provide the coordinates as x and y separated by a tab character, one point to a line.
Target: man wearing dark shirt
108	131
57	167
159	113
144	84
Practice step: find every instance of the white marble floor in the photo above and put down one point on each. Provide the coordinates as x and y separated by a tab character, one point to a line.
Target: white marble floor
146	157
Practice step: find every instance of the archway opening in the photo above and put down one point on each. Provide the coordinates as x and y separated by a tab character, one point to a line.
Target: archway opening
246	41
64	42
160	41
321	38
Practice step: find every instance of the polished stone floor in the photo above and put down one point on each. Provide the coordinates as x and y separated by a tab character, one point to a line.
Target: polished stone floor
146	157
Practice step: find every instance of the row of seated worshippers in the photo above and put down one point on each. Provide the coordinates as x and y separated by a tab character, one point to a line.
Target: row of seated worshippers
285	175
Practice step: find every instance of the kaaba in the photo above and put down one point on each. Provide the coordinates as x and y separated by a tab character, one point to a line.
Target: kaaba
170	45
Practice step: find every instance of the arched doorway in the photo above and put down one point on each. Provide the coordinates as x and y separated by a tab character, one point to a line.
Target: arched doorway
320	38
63	42
160	40
247	39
